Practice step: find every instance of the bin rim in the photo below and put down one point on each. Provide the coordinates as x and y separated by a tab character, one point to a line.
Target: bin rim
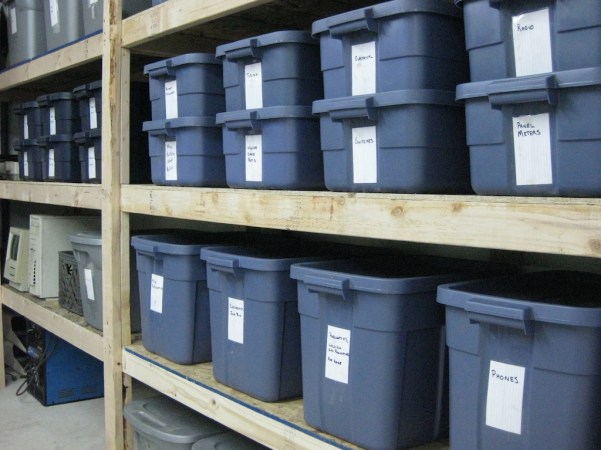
265	40
269	112
87	238
181	60
180	122
259	258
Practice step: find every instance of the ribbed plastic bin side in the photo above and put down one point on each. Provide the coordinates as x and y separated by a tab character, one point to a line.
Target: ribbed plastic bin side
229	441
255	325
68	283
186	151
89	97
274	69
60	113
396	45
272	148
160	423
63	20
535	135
29	117
25	29
60	158
30	160
188	85
509	39
92	12
89	144
525	370
410	141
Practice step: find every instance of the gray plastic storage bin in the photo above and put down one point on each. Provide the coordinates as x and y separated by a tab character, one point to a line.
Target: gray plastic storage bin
174	298
186	85
536	135
186	151
525	366
227	441
410	141
25	30
60	158
164	424
60	113
255	325
64	22
516	38
275	69
397	45
90	105
29	116
373	347
87	249
89	144
272	148
30	160
92	12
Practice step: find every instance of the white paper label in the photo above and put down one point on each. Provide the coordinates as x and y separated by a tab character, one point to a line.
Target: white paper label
51	173
25	165
532	43
25	127
254	157
363	68
532	148
93	117
93	2
52	114
365	157
235	320
253	85
171	160
91	163
156	293
89	284
338	352
505	396
171	99
13	20
53	13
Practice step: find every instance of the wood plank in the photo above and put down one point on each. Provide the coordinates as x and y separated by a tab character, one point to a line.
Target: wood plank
547	225
56	319
76	195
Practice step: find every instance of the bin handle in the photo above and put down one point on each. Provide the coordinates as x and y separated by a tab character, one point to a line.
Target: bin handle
339	287
364	108
166	71
367	22
252	122
148	424
167	130
499	313
250	51
528	90
226	265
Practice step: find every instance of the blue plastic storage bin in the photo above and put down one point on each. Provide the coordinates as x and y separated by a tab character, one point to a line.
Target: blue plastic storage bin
272	148
525	366
410	141
186	152
90	105
526	37
186	85
373	346
60	158
397	45
255	325
274	69
29	116
60	113
174	299
536	135
89	144
30	160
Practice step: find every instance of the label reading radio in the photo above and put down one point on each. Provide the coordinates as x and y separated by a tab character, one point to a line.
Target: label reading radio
235	320
532	43
338	351
505	397
365	158
156	293
532	150
253	85
363	68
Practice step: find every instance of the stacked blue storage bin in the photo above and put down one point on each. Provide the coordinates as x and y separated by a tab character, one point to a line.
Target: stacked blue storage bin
184	141
535	98
389	121
29	118
270	136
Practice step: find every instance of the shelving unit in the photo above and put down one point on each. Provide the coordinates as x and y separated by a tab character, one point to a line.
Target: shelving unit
554	226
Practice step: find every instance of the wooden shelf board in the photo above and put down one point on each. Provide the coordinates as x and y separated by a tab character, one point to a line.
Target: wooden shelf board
77	195
548	225
56	319
277	425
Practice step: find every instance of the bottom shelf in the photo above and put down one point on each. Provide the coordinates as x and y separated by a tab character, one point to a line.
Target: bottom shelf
277	425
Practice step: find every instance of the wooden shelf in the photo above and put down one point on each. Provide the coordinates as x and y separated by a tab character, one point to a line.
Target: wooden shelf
76	195
56	319
277	425
548	225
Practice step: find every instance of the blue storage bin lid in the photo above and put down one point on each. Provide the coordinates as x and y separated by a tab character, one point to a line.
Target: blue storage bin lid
168	421
87	90
363	18
271	112
44	100
87	238
268	258
530	88
86	136
244	48
22	108
171	244
44	141
160	68
553	296
164	126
